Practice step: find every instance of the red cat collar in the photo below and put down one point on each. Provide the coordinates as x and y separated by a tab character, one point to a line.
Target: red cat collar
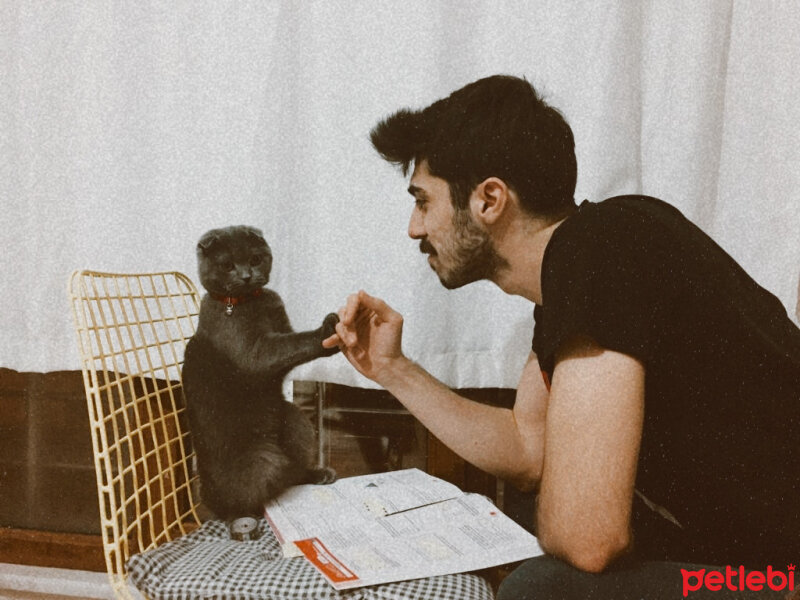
231	301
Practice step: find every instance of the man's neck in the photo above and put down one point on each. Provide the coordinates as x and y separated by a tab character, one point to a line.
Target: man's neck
523	247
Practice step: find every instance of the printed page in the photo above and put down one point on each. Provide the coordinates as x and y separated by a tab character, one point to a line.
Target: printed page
388	493
349	506
309	510
458	535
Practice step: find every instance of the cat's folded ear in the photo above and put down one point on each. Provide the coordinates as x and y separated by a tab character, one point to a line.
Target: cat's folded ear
207	240
254	232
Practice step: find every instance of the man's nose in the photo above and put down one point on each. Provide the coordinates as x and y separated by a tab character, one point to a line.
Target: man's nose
416	230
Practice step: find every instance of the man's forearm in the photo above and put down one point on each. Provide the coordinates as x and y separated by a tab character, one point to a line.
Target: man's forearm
487	436
506	443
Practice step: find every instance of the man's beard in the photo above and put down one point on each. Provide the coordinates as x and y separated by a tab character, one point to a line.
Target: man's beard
469	253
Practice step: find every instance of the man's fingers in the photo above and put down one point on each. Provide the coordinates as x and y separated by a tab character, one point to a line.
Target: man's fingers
340	313
383	310
348	312
357	313
363	318
331	341
346	335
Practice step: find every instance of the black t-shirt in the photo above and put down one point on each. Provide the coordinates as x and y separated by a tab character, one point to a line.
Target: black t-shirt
721	437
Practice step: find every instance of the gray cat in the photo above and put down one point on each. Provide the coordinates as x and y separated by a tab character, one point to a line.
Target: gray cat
251	444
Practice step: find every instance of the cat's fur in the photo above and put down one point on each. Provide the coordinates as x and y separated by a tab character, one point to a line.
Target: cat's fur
251	444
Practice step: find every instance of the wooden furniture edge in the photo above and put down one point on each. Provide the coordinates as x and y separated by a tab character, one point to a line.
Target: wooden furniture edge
51	549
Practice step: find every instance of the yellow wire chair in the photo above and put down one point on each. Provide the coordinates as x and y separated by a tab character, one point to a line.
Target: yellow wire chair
132	330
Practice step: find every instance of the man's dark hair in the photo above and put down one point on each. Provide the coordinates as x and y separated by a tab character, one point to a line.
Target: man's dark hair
494	127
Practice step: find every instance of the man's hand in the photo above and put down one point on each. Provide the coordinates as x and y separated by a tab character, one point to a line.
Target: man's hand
369	334
498	440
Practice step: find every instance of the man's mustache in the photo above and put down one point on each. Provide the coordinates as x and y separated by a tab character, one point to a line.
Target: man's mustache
426	247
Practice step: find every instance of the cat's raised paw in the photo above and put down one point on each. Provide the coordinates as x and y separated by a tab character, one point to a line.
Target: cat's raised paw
321	476
328	329
329	324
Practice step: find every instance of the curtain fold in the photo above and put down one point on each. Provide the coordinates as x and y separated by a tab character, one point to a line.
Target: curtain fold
130	129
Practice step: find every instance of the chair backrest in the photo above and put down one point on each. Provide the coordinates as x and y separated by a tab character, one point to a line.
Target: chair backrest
132	331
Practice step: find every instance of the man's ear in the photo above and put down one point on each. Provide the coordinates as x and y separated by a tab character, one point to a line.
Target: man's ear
489	200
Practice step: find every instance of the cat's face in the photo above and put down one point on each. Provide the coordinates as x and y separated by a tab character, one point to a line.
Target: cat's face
233	261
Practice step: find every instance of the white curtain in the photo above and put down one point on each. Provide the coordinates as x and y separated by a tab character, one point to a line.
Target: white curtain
128	129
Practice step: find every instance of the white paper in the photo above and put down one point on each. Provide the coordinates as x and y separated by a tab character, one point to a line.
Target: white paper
395	526
351	504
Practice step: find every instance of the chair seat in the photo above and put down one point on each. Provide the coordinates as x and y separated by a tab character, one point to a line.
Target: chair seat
208	563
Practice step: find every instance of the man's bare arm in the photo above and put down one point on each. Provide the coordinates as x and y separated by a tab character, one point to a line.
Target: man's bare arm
594	428
505	442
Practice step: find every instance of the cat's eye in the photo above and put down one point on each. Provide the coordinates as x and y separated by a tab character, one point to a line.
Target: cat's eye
228	265
255	260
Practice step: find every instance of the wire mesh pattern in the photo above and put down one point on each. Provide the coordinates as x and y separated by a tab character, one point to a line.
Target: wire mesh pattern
132	332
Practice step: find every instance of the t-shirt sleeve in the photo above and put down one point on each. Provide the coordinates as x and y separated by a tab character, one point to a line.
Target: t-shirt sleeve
598	281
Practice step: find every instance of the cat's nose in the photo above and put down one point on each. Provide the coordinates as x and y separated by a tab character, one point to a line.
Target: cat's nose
246	276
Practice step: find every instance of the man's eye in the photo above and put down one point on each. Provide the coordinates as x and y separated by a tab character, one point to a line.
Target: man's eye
420	203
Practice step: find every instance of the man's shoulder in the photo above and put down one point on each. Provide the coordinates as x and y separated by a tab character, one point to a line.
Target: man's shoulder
637	206
622	225
624	198
604	273
617	224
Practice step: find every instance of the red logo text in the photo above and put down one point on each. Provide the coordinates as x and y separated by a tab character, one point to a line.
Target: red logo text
737	580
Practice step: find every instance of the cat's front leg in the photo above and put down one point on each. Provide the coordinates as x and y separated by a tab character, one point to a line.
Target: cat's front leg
278	353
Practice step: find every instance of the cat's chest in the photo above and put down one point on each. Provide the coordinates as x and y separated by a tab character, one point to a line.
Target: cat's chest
244	325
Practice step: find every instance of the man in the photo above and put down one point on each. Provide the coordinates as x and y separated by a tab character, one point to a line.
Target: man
657	416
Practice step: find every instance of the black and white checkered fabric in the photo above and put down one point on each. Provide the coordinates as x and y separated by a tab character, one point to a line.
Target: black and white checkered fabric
207	563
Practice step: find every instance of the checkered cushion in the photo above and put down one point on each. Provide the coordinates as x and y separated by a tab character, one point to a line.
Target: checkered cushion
207	563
